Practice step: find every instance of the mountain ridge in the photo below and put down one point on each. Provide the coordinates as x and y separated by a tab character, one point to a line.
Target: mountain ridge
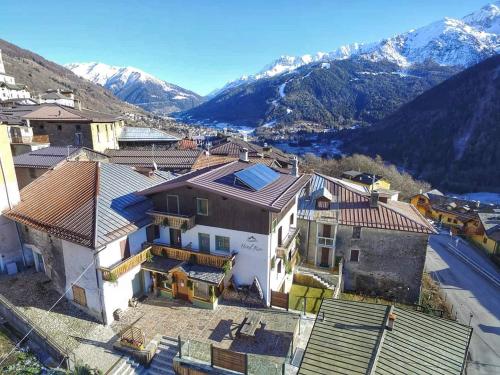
137	87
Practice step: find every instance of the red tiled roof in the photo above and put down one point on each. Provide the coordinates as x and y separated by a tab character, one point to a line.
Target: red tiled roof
355	209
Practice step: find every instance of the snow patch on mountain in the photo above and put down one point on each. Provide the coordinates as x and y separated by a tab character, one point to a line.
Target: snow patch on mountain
450	42
135	86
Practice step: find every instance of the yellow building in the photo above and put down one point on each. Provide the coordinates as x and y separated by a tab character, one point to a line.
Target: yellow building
485	231
370	181
10	245
449	211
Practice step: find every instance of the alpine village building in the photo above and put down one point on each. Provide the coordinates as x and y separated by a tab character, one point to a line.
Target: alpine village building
381	241
239	217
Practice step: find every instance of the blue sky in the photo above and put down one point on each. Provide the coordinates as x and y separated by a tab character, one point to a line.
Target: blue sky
200	45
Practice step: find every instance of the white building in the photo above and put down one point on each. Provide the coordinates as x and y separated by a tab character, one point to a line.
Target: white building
242	213
8	87
85	228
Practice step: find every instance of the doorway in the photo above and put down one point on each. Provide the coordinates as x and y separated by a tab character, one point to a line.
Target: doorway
325	255
175	237
204	242
182	288
280	236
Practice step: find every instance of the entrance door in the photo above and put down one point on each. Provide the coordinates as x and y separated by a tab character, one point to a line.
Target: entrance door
325	254
175	237
204	242
182	288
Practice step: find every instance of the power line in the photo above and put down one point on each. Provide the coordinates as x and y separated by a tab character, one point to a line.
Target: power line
46	313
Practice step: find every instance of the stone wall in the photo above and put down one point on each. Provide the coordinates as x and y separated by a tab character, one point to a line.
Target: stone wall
51	249
390	263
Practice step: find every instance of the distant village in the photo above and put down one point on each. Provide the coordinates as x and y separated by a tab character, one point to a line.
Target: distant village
210	254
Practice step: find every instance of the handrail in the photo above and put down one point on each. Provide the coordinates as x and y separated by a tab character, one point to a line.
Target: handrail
109	273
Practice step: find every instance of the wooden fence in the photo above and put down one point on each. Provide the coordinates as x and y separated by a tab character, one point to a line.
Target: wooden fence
228	359
279	299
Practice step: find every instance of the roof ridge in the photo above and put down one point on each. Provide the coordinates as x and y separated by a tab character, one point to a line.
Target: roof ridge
337	181
386	205
380	341
96	204
289	187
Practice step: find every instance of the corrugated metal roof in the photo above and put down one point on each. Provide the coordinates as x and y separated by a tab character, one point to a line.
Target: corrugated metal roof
86	202
351	338
143	134
232	147
221	181
56	112
354	208
164	159
47	157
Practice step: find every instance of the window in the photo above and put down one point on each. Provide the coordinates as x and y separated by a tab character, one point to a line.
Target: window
222	243
202	206
354	256
152	232
78	139
322	204
356	232
274	224
279	266
485	239
201	290
454	221
41	126
292	218
449	220
98	133
125	249
79	295
173	204
32	172
421	201
78	128
325	241
59	127
204	242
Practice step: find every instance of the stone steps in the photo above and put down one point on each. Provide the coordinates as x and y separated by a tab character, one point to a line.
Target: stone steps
162	361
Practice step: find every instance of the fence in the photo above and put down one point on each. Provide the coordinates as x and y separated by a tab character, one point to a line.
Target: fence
251	364
21	323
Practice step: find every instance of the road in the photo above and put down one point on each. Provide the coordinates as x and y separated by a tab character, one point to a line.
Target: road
470	293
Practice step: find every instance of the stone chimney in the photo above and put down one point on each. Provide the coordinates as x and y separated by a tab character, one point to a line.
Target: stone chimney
244	155
245	137
390	321
295	167
374	197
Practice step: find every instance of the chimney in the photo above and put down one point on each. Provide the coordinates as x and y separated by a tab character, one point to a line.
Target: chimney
295	167
244	155
420	191
374	196
390	321
79	105
478	204
245	137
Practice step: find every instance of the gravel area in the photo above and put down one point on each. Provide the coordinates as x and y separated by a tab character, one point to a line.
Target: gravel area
32	293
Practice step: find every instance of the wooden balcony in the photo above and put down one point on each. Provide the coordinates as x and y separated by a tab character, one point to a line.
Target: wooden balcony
113	273
189	255
288	244
175	221
30	139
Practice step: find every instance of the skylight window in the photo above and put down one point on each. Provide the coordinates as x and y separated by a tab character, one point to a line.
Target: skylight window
256	177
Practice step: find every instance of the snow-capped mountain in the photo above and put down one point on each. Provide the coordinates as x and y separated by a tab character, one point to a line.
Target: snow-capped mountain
449	42
137	87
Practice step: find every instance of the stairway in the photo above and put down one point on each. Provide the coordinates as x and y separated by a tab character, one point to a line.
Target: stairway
128	366
162	361
329	281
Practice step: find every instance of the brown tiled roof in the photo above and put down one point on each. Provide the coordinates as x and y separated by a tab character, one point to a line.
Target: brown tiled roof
232	147
220	180
174	160
85	202
355	210
187	144
56	112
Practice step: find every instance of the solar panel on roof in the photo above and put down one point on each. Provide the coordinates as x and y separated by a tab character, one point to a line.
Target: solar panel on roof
257	176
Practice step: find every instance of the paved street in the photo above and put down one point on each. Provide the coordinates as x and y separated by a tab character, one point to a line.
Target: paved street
470	292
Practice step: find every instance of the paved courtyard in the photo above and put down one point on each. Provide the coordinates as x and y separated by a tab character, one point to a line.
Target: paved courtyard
218	327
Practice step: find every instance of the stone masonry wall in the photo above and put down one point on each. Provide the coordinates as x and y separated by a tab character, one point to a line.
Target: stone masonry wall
390	264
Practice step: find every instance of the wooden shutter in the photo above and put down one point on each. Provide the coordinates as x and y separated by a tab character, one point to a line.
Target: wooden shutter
79	295
125	249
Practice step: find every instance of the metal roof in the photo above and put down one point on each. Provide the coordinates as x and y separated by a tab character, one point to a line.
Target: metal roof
220	180
354	208
232	146
49	157
56	112
351	338
256	176
86	202
143	134
165	159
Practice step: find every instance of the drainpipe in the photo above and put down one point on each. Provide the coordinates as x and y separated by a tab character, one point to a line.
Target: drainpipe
101	298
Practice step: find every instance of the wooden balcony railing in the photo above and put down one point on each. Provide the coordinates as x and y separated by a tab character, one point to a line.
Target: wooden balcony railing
288	243
187	255
30	139
113	273
183	222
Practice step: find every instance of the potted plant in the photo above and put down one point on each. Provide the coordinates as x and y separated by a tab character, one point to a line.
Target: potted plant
226	267
273	262
184	226
113	278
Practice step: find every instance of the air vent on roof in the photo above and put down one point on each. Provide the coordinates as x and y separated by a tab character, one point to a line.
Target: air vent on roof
256	177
